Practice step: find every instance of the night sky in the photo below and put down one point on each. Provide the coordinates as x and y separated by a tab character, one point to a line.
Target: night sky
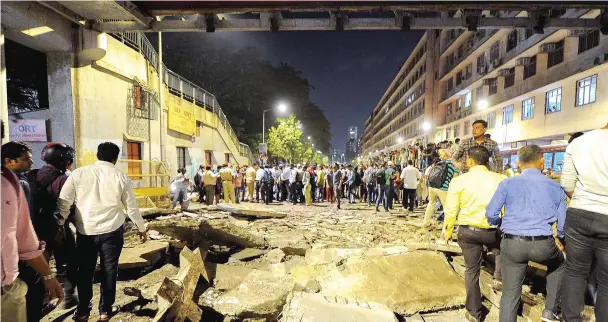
349	70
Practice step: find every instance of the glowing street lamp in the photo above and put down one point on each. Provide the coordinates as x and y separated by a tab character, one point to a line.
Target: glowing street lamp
482	104
399	140
309	138
282	107
426	126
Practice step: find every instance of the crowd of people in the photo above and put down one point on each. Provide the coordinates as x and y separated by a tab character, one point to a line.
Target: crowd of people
74	217
518	216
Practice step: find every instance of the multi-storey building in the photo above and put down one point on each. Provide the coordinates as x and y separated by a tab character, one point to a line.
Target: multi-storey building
531	88
405	109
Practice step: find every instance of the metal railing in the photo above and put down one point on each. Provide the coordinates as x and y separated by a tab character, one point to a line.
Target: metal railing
182	87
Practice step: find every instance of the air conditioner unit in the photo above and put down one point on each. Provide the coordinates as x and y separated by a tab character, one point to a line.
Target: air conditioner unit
545	48
504	72
524	61
600	59
488	81
577	32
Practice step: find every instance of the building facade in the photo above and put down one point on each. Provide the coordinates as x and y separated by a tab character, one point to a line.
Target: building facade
531	88
94	88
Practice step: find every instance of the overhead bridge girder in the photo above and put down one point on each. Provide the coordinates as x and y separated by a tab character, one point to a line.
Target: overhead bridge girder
275	22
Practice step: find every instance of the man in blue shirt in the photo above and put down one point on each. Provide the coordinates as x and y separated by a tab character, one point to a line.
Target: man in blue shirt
533	203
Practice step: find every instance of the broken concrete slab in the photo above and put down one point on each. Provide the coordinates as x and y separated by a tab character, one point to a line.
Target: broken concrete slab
328	255
142	255
304	307
247	254
150	212
219	231
251	210
274	256
262	294
406	283
228	277
290	242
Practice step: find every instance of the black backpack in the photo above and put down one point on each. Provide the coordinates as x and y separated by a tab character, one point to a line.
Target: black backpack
197	179
44	204
380	176
438	174
357	179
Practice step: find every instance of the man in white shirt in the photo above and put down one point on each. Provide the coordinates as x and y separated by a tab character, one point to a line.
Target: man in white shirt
259	175
585	180
101	192
410	176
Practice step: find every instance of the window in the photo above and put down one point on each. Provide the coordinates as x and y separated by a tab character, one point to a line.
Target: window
479	93
481	63
458	78
529	33
512	40
556	56
458	105
449	109
527	108
507	114
588	40
530	69
467	127
460	52
134	153
448	132
491	120
26	84
450	85
456	130
493	87
227	158
585	90
198	129
181	158
495	51
553	101
467	99
468	71
510	78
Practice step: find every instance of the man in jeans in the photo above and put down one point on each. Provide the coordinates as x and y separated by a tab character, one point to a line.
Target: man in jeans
411	177
585	180
101	194
533	203
382	187
468	196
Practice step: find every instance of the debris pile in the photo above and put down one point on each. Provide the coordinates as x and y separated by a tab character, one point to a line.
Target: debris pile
287	263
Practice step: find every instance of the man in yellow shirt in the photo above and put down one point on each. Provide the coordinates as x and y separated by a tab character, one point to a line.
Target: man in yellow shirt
228	188
467	198
250	180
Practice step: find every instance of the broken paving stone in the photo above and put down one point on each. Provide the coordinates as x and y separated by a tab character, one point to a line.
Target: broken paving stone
148	212
228	277
290	242
247	254
328	255
251	210
261	294
142	255
406	283
274	256
304	307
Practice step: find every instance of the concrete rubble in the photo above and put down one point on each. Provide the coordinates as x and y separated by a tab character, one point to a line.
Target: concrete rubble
237	263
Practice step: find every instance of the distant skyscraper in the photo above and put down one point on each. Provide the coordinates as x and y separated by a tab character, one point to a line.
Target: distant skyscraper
352	144
352	132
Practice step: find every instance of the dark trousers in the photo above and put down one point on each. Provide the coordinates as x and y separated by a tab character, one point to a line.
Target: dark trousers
338	193
371	193
201	196
390	194
209	194
472	243
586	238
284	191
267	192
382	196
409	199
108	246
258	190
293	193
66	264
514	256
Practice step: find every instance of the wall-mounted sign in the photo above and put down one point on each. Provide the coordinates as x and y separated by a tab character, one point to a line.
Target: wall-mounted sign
263	148
182	118
27	130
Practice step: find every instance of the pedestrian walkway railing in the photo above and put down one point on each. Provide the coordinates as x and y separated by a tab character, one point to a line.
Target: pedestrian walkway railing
182	87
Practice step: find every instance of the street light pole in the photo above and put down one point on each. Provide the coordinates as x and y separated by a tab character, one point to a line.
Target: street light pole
264	125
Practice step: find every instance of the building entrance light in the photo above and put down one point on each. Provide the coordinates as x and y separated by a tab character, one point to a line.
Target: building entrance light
482	104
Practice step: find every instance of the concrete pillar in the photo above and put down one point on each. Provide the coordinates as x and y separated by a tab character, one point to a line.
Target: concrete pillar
541	63
3	94
61	100
519	74
570	48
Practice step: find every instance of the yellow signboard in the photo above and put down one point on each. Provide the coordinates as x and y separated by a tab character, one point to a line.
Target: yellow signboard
182	118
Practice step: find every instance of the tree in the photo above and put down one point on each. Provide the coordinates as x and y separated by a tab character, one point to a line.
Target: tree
285	139
244	84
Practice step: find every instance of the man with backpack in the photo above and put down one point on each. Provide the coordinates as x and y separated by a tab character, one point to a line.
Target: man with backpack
439	178
267	184
45	186
198	183
382	187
